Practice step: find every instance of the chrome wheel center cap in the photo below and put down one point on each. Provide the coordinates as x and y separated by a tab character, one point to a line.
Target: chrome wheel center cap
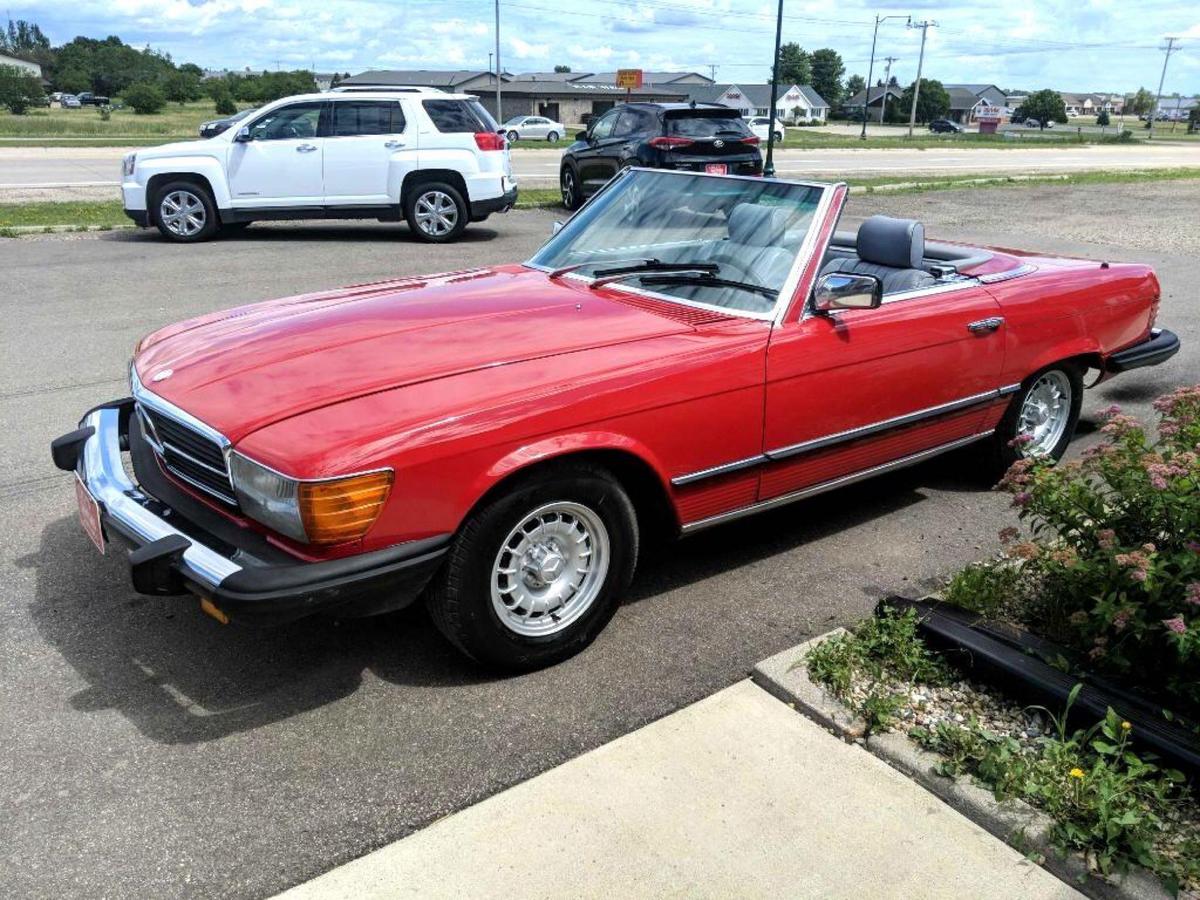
542	564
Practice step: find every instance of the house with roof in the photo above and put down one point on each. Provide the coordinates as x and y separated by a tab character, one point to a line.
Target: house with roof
874	99
793	103
657	79
20	62
453	80
966	99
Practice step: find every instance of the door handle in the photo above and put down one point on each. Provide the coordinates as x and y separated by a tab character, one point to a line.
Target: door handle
392	145
983	326
305	148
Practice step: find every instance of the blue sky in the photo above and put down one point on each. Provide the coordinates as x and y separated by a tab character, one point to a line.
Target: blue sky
1073	45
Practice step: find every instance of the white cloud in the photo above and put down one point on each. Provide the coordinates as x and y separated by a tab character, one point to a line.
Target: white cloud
525	50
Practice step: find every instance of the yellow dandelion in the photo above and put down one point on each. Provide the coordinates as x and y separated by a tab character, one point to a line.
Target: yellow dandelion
1125	726
1076	772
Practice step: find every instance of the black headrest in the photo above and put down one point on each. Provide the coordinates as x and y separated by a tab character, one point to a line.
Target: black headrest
899	243
758	226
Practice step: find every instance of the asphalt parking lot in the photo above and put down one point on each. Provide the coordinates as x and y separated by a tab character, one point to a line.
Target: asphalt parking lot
148	751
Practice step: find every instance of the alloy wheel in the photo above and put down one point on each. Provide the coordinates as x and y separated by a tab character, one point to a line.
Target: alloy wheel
436	213
1045	413
568	188
550	569
183	213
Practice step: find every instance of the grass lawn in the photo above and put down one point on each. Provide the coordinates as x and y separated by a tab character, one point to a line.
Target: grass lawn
175	122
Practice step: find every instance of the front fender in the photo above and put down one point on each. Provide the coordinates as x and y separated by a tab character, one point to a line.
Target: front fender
211	169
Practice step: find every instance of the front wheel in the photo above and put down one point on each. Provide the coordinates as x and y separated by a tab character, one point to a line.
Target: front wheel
513	137
552	137
778	138
535	574
572	198
436	212
1041	419
185	213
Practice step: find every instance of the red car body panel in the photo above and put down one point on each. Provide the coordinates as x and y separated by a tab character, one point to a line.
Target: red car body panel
460	380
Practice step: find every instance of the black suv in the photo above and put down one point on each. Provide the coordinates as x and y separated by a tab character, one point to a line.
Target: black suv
696	137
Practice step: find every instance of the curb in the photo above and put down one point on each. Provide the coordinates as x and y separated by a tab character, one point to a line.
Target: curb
18	230
1023	827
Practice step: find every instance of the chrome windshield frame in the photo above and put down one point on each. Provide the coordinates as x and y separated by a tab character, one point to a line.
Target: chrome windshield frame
790	283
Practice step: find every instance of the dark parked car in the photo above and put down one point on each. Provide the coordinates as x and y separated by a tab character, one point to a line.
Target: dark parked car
213	127
945	126
695	137
87	98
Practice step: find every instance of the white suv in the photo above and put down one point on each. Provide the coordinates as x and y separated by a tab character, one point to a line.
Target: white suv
438	160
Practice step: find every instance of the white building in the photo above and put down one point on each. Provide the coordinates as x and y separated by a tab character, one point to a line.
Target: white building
19	63
796	102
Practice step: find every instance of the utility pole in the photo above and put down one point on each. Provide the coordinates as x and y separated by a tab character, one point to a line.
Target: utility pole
887	76
499	109
769	166
712	71
912	116
1168	50
871	70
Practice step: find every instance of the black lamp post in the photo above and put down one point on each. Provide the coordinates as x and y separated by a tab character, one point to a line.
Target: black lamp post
769	165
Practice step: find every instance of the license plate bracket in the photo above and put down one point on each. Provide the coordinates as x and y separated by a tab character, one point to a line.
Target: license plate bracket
89	513
716	168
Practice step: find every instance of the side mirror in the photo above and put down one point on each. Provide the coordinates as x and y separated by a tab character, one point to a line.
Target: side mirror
846	290
556	228
581	135
243	135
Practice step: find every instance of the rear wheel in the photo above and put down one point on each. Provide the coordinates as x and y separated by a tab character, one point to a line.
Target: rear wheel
535	574
552	137
778	137
1042	417
572	198
436	212
185	213
513	136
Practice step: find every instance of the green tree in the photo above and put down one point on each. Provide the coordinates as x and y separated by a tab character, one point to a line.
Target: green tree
1102	118
19	88
25	39
795	65
145	99
854	84
182	87
224	103
1045	105
827	72
1140	103
561	68
933	102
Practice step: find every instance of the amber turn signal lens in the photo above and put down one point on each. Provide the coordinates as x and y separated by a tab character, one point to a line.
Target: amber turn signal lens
344	509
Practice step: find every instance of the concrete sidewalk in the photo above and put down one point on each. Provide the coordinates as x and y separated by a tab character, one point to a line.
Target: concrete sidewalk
737	795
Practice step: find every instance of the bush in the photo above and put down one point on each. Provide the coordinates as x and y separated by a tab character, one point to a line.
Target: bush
1114	567
19	89
145	99
1102	119
224	103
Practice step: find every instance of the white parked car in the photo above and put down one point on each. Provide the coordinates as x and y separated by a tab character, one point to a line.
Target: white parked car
537	128
761	126
437	160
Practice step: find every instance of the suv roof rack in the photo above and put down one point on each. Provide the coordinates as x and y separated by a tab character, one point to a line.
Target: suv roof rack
389	89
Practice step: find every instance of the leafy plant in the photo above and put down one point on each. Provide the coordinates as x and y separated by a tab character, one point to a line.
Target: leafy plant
145	99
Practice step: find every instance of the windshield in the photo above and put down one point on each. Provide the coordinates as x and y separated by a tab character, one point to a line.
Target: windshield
750	229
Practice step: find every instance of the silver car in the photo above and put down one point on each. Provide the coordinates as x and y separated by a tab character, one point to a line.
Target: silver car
533	128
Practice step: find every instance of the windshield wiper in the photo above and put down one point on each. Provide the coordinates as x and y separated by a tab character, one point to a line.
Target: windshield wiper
563	270
712	281
617	273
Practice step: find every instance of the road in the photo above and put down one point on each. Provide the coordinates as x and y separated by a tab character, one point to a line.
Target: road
57	169
148	751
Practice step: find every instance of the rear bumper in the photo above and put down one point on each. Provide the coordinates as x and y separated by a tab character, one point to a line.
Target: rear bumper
174	551
481	209
1160	346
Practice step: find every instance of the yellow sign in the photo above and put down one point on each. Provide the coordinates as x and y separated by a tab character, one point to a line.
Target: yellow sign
629	78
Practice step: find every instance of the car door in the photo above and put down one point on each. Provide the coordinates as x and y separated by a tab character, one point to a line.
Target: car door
856	389
535	128
280	161
595	161
369	150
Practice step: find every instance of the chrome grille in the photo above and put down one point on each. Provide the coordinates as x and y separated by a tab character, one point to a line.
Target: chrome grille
191	456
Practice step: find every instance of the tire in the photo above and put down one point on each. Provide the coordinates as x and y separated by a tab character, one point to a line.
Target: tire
184	212
513	137
778	138
552	137
478	607
436	212
572	196
1059	377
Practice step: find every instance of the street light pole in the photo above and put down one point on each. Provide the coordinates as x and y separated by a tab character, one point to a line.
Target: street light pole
499	109
871	70
769	165
912	116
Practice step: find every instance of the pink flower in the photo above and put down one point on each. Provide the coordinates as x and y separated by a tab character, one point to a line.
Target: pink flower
1193	593
1106	538
1193	546
1022	499
1121	620
1009	534
1021	440
1137	575
1176	625
1113	410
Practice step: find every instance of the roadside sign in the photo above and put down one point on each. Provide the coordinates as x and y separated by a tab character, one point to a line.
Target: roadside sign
629	78
988	113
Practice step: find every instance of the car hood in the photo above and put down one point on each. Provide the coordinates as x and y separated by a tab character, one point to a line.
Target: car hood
244	369
179	148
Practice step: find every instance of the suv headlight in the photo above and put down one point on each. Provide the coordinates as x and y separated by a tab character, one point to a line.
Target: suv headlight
330	511
128	163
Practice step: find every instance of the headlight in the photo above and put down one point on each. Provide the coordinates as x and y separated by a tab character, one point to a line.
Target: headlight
127	164
315	512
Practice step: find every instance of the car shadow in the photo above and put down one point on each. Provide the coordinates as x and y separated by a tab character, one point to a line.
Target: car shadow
316	230
181	678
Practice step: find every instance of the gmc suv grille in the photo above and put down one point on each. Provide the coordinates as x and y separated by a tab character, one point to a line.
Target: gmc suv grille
188	454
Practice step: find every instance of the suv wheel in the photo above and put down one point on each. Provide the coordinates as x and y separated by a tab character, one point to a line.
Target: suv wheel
436	212
185	213
536	574
572	199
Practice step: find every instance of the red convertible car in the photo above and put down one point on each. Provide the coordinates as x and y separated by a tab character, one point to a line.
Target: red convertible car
688	349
